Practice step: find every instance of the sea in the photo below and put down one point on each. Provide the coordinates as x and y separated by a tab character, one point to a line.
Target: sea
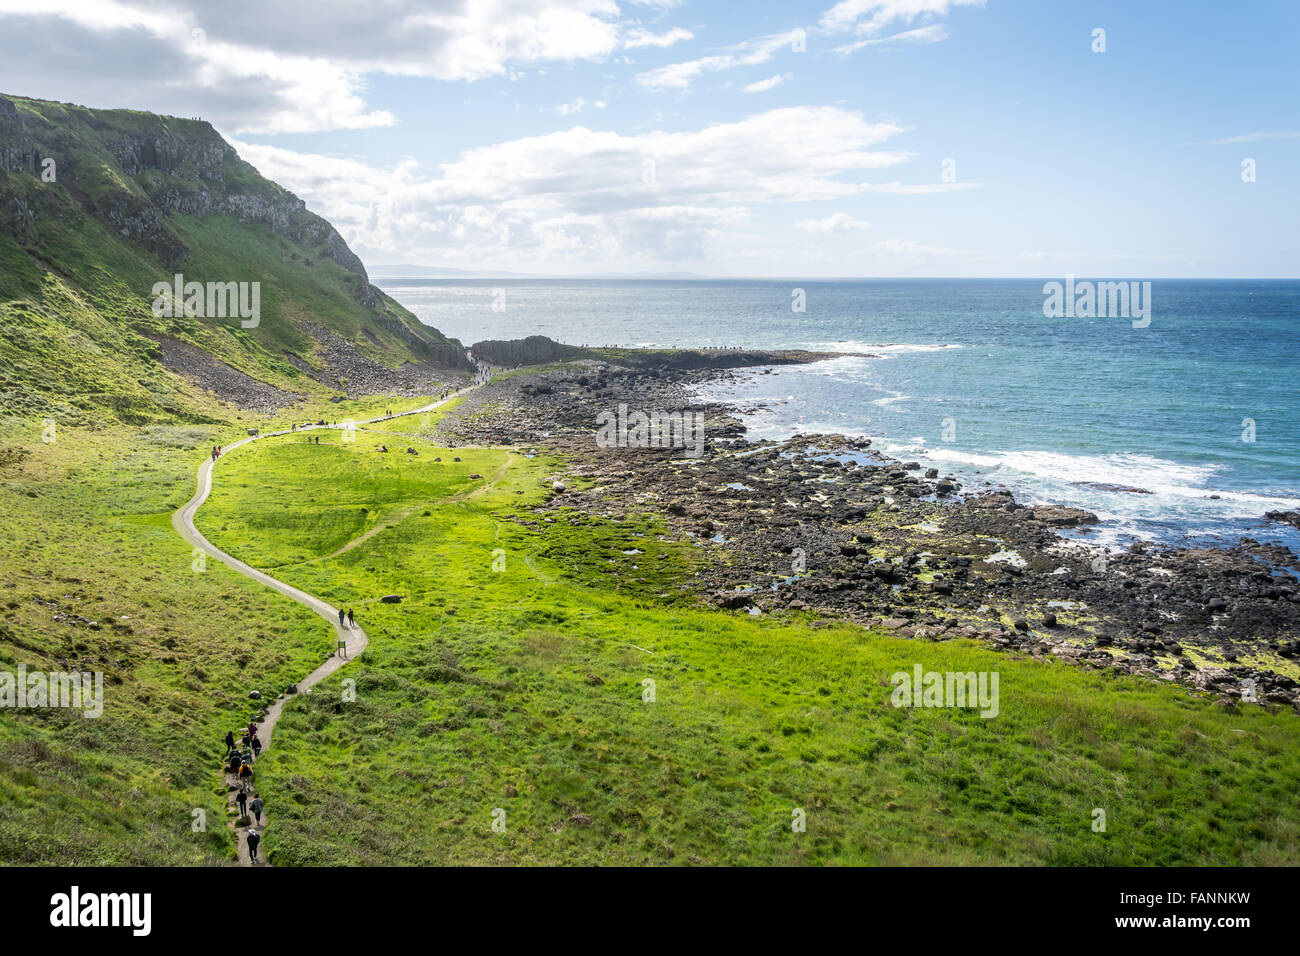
1197	403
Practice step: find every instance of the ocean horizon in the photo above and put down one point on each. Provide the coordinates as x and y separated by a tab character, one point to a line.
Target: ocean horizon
1190	411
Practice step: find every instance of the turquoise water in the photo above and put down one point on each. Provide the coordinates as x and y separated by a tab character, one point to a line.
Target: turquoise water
970	376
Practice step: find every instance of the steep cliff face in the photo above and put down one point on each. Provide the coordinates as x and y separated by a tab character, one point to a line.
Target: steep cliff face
533	350
97	206
173	166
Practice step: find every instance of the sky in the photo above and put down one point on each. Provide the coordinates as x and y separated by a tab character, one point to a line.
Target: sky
784	139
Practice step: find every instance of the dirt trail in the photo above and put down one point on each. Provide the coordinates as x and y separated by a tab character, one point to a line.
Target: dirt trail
353	637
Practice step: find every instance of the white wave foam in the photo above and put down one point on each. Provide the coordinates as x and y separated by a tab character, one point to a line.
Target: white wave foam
891	399
1179	493
880	348
1183	499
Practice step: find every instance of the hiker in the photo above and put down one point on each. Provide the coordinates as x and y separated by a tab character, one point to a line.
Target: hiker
256	806
230	741
245	741
241	800
253	841
351	619
252	727
257	748
246	774
340	617
234	763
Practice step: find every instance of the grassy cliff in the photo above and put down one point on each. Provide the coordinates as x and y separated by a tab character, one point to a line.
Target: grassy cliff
100	433
96	206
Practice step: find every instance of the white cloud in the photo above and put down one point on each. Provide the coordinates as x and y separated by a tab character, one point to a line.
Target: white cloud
870	17
838	222
578	105
590	194
749	53
637	38
294	65
866	18
772	82
931	34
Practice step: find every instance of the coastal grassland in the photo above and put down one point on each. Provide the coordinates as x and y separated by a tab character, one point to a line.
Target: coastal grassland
529	371
88	533
415	424
523	689
349	488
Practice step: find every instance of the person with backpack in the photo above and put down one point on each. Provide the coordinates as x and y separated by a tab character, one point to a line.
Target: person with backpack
253	841
234	763
256	806
246	773
257	748
241	800
230	741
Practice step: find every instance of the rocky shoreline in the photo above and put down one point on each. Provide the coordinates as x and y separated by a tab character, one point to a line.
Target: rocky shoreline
824	525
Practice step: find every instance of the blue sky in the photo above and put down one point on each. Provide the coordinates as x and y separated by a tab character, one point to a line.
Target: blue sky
588	136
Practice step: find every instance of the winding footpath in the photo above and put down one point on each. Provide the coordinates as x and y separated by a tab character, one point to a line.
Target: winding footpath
352	637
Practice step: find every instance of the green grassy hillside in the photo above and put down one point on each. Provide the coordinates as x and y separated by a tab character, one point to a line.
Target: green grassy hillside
130	200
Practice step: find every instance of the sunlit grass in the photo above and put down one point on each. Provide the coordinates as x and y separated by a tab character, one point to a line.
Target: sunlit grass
522	690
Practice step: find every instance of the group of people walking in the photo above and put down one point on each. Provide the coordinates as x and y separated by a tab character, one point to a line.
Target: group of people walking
345	620
240	757
216	452
239	761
